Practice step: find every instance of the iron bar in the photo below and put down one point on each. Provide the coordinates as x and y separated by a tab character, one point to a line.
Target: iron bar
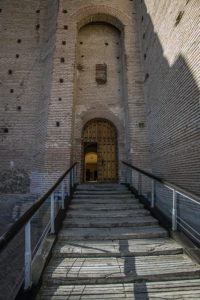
27	257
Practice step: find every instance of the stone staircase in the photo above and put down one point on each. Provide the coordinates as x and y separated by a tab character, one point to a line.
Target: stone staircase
110	247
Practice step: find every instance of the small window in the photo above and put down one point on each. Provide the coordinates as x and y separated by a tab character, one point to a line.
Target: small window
101	73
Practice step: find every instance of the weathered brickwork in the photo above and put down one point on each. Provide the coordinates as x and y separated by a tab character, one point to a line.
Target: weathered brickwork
46	98
71	107
27	44
99	44
169	32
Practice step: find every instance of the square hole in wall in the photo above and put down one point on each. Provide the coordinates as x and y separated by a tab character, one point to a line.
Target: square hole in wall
101	73
141	125
80	67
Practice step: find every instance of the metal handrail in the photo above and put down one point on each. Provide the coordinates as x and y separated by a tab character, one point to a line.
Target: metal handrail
22	221
176	190
168	184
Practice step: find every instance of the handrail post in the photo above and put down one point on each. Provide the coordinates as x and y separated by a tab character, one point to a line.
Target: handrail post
71	182
153	185
174	211
52	214
129	177
74	173
63	193
132	178
27	257
72	178
139	184
125	174
68	185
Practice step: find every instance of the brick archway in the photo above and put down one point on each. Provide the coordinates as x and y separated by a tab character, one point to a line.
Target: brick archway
103	13
97	114
109	16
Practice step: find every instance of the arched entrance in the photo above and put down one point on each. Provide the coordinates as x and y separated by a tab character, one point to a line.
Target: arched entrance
99	151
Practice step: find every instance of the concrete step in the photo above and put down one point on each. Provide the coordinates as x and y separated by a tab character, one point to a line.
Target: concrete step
105	201
102	193
117	248
107	270
109	222
117	196
105	206
113	233
177	289
111	248
100	187
108	214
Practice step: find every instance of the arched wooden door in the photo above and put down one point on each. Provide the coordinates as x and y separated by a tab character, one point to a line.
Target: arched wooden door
100	137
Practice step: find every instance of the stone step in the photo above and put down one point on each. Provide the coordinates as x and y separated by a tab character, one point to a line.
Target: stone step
105	201
178	290
106	206
109	222
117	248
102	193
108	214
120	233
107	270
100	187
92	196
111	248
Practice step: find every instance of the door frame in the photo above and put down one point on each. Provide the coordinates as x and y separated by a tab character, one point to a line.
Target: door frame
96	141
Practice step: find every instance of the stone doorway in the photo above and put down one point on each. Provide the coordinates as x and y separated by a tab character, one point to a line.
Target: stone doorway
99	152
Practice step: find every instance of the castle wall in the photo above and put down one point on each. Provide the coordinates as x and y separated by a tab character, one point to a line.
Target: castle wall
125	107
169	35
27	43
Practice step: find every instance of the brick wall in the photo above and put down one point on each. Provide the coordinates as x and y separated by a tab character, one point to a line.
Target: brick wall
99	44
41	118
127	111
169	35
26	39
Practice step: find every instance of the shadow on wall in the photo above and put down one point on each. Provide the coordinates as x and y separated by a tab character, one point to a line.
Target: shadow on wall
172	101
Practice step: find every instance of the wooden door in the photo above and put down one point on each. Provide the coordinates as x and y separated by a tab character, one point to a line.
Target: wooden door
104	134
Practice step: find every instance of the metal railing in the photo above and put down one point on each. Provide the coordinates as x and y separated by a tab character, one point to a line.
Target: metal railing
62	188
180	206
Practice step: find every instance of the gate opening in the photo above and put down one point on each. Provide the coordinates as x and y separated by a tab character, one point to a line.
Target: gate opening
91	159
99	152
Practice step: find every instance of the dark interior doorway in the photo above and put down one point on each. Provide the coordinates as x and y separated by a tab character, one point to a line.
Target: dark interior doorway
91	159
